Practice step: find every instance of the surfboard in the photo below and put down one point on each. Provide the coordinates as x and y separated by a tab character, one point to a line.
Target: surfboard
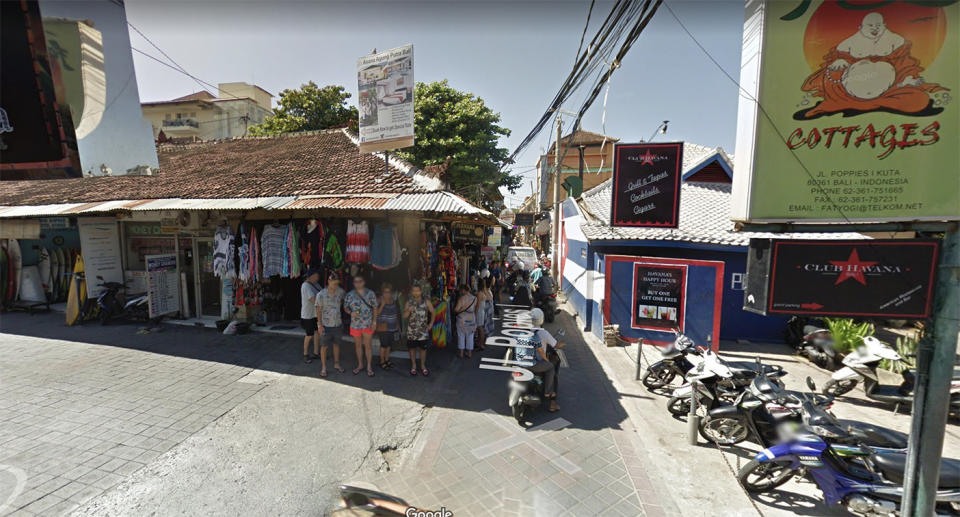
78	292
4	275
62	281
16	256
55	271
43	267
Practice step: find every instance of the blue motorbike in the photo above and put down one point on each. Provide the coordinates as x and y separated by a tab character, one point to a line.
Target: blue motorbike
866	481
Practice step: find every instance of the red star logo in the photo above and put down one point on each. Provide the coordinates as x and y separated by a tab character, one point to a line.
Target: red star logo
852	268
647	159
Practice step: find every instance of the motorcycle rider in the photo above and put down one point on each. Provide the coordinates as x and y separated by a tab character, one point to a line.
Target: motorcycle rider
545	286
551	346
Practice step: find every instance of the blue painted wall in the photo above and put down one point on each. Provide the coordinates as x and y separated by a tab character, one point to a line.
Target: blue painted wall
735	323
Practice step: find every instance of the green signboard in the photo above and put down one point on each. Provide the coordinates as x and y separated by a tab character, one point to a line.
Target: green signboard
850	112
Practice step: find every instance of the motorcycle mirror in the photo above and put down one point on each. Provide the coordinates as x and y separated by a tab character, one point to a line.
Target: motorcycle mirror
811	384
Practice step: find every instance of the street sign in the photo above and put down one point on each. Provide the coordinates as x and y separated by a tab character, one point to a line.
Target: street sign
646	184
524	219
862	278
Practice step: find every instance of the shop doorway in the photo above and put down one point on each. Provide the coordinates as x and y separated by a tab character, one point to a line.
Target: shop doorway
208	284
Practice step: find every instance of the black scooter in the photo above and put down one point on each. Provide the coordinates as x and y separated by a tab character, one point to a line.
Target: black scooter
673	363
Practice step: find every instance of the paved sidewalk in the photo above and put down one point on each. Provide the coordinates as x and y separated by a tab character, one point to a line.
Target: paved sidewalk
472	457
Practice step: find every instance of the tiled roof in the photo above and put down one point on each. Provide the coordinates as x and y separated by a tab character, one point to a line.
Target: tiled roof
586	138
295	164
704	218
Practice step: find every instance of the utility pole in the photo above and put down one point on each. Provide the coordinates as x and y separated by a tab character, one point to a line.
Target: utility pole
931	400
555	264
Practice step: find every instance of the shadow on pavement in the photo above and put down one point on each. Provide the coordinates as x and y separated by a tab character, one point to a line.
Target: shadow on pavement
586	396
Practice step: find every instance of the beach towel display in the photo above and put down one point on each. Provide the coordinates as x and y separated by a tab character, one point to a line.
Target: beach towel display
385	248
440	332
311	244
358	242
243	255
253	257
272	249
333	254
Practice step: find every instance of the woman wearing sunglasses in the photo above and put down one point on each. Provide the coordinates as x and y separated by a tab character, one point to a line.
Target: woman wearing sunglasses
360	304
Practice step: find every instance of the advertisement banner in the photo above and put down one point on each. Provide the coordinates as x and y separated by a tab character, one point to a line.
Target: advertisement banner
849	112
493	240
100	247
878	278
163	296
524	219
385	99
658	296
646	184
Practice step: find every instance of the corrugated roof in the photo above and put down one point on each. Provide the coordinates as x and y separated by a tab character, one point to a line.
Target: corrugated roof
704	218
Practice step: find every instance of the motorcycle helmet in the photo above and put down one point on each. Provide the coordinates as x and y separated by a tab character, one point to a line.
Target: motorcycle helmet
536	317
519	265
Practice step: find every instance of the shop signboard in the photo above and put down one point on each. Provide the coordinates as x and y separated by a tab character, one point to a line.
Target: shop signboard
468	233
495	237
658	296
860	278
163	296
100	247
54	223
646	184
524	219
849	112
385	99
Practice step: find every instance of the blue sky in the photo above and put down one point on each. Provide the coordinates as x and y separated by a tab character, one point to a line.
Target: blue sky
514	55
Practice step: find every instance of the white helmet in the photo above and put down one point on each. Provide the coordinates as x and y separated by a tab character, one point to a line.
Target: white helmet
485	273
536	317
519	265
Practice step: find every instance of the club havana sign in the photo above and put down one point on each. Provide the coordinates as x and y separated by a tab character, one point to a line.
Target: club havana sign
867	278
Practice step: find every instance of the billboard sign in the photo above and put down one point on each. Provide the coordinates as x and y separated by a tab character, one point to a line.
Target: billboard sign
524	219
862	278
385	99
646	184
849	112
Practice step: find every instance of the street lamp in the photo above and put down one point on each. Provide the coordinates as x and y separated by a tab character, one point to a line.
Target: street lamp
662	129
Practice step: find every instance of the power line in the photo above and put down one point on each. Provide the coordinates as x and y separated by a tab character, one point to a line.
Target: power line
154	45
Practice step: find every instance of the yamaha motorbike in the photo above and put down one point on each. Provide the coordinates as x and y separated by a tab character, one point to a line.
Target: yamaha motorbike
760	413
674	363
113	305
865	481
863	364
717	383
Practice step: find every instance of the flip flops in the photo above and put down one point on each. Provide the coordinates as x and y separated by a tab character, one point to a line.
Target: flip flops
413	372
425	372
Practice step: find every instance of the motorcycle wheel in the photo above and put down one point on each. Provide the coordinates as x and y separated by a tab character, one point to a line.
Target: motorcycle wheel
837	388
548	315
679	406
518	413
756	477
659	378
723	431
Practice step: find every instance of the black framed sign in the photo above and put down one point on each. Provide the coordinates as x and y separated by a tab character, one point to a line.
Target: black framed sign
866	278
524	219
646	184
658	296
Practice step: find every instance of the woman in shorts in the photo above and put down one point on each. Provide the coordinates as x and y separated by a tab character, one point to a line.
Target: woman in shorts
361	305
419	314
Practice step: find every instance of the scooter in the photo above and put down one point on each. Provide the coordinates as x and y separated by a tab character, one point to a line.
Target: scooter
525	395
113	306
717	383
865	481
818	346
761	411
674	362
863	364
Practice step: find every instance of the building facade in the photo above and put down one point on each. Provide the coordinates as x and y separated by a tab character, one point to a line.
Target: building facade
203	116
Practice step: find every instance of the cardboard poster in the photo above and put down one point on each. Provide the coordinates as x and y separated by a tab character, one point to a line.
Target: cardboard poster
100	247
849	112
658	296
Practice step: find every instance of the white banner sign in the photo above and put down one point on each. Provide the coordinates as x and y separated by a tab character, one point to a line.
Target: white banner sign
385	86
163	295
100	247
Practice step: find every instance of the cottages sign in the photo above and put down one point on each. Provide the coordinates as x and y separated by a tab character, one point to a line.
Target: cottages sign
646	184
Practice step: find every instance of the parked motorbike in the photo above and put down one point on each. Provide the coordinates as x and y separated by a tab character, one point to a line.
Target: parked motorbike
717	383
812	341
865	481
674	363
113	305
760	413
863	364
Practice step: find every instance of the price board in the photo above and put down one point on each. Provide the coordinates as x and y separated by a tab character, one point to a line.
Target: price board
163	295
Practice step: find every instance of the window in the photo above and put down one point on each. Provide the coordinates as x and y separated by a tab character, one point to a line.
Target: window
193	114
179	116
166	116
736	281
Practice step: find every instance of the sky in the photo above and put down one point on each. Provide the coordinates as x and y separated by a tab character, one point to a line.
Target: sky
512	54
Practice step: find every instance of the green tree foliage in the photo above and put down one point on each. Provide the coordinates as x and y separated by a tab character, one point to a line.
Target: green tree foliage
309	107
450	122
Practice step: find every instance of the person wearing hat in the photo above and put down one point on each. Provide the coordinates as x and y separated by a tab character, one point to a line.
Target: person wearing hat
308	314
329	303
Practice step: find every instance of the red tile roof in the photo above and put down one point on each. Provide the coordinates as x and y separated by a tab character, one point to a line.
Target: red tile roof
295	164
